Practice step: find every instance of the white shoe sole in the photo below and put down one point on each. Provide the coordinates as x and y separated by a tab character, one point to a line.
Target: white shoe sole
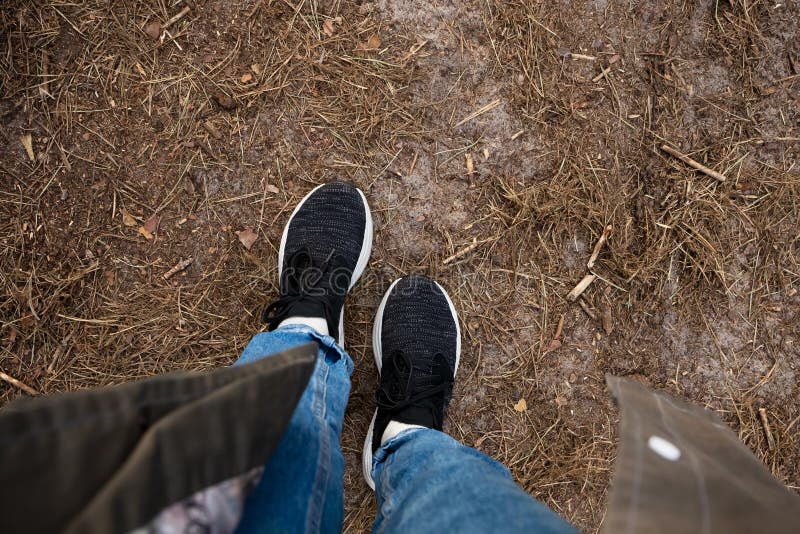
363	257
366	456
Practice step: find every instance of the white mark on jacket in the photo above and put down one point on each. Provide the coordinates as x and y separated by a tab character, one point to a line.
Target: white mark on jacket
664	448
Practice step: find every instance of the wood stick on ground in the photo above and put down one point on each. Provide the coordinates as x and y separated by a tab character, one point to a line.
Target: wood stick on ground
556	341
587	309
14	382
27	142
182	13
488	107
598	246
466	250
171	38
559	328
603	72
64	158
694	164
61	349
413	164
762	414
44	86
581	287
181	265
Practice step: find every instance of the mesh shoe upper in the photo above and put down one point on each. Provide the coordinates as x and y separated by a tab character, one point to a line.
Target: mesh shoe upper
419	352
323	242
331	220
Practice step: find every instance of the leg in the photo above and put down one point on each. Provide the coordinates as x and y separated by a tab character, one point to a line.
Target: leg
301	488
427	481
324	249
424	480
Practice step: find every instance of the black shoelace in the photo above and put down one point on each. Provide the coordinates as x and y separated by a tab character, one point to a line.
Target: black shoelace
396	396
304	285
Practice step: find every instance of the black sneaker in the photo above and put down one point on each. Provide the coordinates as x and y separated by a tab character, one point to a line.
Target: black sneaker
324	250
417	344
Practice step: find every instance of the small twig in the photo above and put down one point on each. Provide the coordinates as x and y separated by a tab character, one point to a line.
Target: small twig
464	251
603	72
692	163
581	56
587	309
171	38
62	347
556	341
27	142
581	287
413	164
488	107
44	87
14	382
176	18
559	327
255	8
414	49
64	157
762	414
598	246
181	265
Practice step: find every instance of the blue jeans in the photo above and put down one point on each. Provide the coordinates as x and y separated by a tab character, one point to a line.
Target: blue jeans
425	480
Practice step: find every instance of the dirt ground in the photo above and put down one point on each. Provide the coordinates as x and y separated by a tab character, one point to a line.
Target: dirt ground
495	140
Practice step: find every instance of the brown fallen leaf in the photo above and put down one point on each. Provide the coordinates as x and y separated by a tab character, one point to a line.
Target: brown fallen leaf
272	189
561	400
608	321
373	43
246	77
27	142
255	67
247	237
153	29
151	224
327	28
470	163
127	219
521	406
147	235
224	101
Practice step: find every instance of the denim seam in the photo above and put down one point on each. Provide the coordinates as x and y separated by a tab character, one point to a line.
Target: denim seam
317	503
386	492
